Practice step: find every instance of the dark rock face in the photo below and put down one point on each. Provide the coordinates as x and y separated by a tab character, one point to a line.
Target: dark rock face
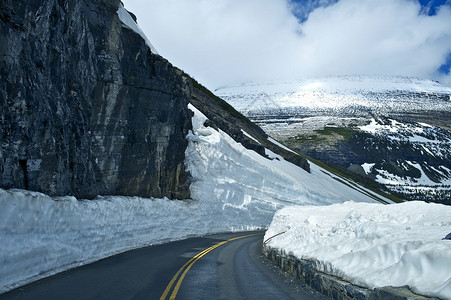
86	108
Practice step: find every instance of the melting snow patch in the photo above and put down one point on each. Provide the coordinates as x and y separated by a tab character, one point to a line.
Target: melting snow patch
368	167
372	127
424	179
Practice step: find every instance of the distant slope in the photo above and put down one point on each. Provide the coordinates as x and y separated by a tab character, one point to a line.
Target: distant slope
327	118
89	108
343	96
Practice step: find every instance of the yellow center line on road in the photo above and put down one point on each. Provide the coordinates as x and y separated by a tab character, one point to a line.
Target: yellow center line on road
187	266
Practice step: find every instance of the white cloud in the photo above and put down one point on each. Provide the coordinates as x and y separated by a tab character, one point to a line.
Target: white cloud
375	36
227	41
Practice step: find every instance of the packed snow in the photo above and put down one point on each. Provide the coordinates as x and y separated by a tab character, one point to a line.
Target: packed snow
226	172
233	189
42	236
372	245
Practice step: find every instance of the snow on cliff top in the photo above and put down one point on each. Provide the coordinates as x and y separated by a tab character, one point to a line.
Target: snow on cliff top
372	245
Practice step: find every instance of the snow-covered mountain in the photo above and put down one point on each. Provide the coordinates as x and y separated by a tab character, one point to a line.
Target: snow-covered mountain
399	126
336	95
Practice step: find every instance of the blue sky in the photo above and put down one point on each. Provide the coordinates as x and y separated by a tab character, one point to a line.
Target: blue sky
223	42
304	7
430	8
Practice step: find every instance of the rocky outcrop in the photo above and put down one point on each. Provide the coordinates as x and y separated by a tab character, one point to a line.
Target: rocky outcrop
86	108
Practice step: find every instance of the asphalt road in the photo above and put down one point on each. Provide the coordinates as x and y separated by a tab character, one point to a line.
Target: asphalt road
221	266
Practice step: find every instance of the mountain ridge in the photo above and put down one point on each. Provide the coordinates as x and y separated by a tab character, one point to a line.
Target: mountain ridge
326	118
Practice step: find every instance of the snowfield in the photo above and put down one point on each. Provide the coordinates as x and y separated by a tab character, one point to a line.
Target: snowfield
372	245
378	93
233	189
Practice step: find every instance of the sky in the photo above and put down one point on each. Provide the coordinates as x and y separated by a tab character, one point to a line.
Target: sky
228	42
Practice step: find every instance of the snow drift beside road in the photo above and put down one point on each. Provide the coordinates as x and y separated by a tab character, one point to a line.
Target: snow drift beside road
372	245
41	236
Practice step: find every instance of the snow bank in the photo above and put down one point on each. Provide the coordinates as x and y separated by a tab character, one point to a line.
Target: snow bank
372	245
228	175
128	22
42	235
233	189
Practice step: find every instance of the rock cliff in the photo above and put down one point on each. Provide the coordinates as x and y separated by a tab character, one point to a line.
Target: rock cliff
86	108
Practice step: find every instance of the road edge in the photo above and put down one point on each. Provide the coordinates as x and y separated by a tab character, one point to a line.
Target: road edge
332	286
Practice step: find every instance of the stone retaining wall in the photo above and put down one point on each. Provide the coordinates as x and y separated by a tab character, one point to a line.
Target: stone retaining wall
332	286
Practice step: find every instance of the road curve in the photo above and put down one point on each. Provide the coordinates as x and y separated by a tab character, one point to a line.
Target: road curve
220	266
